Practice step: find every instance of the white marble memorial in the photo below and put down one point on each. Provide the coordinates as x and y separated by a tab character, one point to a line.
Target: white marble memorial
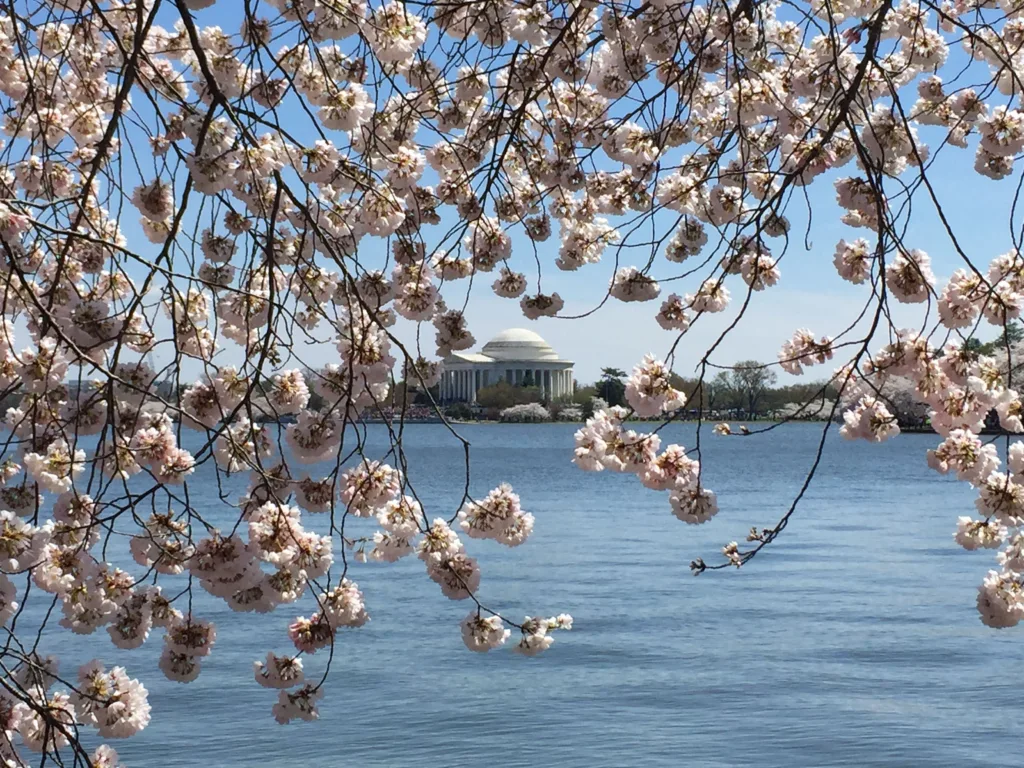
516	356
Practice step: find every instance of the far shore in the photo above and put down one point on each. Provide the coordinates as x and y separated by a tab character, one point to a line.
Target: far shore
573	421
924	429
735	423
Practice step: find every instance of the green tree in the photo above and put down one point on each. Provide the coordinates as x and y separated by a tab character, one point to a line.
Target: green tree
503	395
974	345
751	380
499	396
459	411
1013	332
422	397
610	387
583	395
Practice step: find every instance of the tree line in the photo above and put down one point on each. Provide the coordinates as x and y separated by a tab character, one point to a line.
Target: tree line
749	390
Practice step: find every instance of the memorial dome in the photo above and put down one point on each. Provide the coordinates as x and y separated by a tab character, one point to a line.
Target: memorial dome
519	344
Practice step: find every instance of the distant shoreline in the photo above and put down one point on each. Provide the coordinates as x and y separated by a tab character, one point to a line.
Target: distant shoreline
909	430
582	421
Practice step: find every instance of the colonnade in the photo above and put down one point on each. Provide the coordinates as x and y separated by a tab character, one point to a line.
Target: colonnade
462	384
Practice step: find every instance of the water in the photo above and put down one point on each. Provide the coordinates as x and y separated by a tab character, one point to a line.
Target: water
851	641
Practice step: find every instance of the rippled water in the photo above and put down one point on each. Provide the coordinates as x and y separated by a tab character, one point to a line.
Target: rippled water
852	641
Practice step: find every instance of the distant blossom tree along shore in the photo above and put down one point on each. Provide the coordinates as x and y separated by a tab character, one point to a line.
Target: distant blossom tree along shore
203	202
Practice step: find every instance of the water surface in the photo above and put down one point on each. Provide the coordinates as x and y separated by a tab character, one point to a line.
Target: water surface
851	641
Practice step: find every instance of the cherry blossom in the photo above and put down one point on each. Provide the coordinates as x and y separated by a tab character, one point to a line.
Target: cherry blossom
112	702
483	634
302	237
648	390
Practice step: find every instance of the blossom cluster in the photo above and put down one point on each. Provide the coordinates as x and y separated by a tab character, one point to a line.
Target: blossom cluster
45	719
604	443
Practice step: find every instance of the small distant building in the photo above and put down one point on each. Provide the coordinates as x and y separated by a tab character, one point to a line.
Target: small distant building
517	356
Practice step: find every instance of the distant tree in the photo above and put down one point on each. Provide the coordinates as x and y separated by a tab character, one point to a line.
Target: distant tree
1013	333
503	395
403	394
718	392
459	411
974	345
583	395
317	402
528	395
610	387
423	397
692	388
528	381
750	380
500	395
